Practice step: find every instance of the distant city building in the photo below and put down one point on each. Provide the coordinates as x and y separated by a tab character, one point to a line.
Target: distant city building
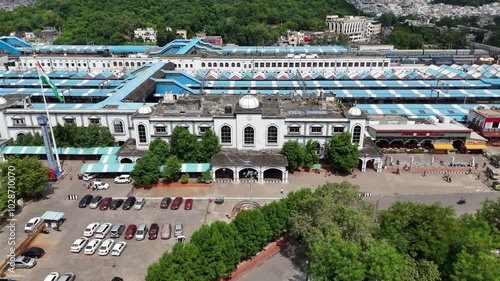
29	37
50	34
297	38
359	29
485	121
181	33
147	35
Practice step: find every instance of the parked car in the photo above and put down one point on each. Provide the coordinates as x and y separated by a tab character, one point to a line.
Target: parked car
178	230
103	230
166	231
165	202
90	229
68	276
177	203
86	200
53	276
88	177
118	248
95	202
32	224
129	203
142	231
99	185
79	244
130	232
496	185
139	203
106	247
115	204
92	246
117	230
153	231
123	179
33	252
24	262
104	205
189	204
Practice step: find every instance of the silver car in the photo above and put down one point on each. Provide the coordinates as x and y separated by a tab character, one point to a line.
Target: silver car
178	230
142	231
68	276
139	203
24	262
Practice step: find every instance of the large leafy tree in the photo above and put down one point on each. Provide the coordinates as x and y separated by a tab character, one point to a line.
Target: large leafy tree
310	154
384	262
254	231
159	148
29	139
480	266
421	270
184	145
70	135
490	212
292	151
333	209
146	170
171	169
342	154
208	146
276	214
25	176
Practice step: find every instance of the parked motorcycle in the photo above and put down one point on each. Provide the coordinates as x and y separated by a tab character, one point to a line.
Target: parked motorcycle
461	201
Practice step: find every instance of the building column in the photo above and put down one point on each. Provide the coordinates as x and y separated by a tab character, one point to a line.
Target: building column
379	166
213	172
236	174
260	175
363	165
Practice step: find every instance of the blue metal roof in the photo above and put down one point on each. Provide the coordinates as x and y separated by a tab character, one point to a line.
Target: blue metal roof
49	93
40	150
65	82
90	168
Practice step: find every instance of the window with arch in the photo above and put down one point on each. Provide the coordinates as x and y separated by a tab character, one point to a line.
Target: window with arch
141	130
126	63
225	134
248	136
209	64
132	64
120	63
118	126
202	64
232	64
227	64
272	135
238	64
356	134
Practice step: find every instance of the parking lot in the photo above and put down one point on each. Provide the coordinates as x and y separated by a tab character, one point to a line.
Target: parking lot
136	257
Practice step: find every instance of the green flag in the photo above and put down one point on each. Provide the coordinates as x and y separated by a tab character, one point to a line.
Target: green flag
46	81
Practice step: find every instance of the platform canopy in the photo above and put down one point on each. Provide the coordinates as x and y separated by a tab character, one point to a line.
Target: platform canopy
107	168
194	167
38	150
475	146
52	216
443	146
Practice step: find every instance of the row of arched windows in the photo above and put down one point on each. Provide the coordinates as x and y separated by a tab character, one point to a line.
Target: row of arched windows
249	135
221	64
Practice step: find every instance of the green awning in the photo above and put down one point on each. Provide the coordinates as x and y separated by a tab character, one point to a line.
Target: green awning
107	168
317	166
108	159
194	167
39	150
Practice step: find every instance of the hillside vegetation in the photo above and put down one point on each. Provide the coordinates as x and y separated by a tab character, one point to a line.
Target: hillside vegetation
243	22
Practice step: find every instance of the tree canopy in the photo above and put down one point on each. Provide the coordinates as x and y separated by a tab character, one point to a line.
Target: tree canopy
113	21
342	153
146	169
299	155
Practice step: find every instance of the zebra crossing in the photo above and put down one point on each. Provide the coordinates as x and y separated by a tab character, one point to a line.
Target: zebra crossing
72	197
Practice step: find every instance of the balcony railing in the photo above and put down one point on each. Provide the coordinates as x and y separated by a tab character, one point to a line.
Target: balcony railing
491	130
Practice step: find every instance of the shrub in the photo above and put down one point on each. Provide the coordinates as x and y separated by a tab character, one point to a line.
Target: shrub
185	178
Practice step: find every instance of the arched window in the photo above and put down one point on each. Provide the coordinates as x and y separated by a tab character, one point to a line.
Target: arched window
249	136
141	129
232	64
132	64
227	64
138	63
272	135
317	147
126	63
238	64
202	64
225	134
120	63
209	64
118	126
114	63
356	134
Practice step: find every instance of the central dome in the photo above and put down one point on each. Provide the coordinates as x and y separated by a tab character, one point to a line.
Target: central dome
144	109
355	111
248	102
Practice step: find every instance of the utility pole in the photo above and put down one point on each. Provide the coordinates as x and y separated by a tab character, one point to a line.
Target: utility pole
250	174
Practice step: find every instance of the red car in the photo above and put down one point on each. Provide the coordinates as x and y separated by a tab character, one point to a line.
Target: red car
104	205
189	204
153	231
130	232
177	203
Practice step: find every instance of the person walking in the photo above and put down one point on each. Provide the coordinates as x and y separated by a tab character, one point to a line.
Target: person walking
70	177
282	191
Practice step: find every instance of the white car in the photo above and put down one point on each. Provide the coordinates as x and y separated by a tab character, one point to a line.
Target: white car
90	229
87	177
118	248
79	244
52	276
32	224
103	230
123	179
139	203
99	185
92	246
106	246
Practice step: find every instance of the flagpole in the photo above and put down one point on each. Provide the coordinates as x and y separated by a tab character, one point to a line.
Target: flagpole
50	124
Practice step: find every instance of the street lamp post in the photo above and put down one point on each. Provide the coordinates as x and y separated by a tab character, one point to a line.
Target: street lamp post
250	174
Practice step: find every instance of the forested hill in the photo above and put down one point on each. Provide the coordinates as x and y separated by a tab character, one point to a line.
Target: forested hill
244	22
464	2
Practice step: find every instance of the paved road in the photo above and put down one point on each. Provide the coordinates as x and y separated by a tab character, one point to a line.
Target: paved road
287	266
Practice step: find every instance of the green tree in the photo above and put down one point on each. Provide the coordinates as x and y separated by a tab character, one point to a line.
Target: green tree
159	148
254	231
342	154
146	170
24	176
29	139
384	262
421	270
171	169
337	259
490	212
164	36
208	146
333	209
481	266
311	156
276	214
291	150
425	230
184	145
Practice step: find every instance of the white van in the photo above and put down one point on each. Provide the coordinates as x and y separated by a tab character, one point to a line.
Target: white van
103	230
492	173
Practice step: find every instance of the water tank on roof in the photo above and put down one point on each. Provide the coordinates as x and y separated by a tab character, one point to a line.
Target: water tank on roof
228	109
